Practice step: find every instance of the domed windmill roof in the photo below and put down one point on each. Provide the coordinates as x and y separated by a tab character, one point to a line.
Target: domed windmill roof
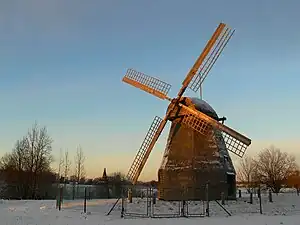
204	107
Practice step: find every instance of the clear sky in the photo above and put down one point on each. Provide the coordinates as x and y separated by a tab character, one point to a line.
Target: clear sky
61	64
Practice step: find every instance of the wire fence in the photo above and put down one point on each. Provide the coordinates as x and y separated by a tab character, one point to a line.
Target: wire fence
145	203
74	192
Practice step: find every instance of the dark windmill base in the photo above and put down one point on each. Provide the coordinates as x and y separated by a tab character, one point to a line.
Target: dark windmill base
193	166
178	188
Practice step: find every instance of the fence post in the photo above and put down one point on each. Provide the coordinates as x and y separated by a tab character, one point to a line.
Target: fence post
154	193
240	193
57	197
148	200
182	208
130	195
85	196
90	193
73	190
270	196
207	200
259	197
60	198
122	209
222	198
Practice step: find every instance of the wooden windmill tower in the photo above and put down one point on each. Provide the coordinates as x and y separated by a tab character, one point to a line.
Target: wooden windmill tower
198	143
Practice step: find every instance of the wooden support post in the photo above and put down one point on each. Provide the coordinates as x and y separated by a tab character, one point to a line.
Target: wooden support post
182	210
154	193
73	191
122	209
207	200
259	198
85	196
130	195
270	196
259	193
57	197
222	198
60	198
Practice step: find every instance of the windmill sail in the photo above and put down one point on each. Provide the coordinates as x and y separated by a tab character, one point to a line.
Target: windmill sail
205	125
141	157
147	83
210	44
233	144
211	58
199	124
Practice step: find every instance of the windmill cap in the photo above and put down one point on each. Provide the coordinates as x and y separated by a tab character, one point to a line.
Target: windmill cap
204	107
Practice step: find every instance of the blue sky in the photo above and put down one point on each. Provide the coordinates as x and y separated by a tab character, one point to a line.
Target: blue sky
61	64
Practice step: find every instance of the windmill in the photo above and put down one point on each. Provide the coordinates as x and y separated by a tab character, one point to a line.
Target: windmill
198	143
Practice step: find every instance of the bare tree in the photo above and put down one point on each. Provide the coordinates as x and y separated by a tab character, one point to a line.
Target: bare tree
79	164
246	172
273	167
28	161
18	162
14	166
6	161
67	165
39	150
60	164
38	146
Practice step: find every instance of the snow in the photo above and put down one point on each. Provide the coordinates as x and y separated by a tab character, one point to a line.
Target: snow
285	210
230	173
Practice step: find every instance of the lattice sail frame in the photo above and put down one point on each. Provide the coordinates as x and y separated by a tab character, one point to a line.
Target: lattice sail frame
147	83
200	123
234	145
140	156
211	58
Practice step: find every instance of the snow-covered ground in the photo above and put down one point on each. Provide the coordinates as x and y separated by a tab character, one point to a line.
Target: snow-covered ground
285	210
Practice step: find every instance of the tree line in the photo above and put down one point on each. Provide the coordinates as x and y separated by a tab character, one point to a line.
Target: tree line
271	168
26	172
